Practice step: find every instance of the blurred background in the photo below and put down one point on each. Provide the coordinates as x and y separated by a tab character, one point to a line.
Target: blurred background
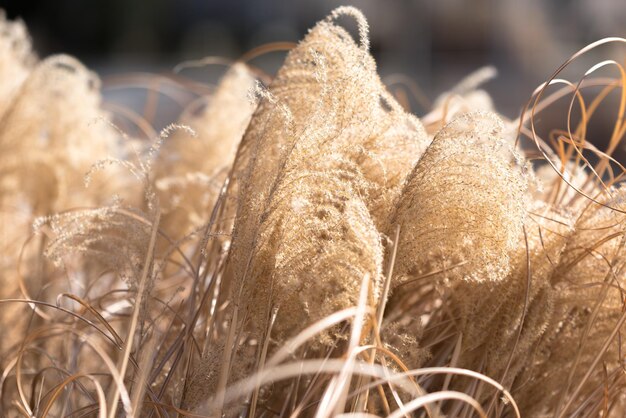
435	43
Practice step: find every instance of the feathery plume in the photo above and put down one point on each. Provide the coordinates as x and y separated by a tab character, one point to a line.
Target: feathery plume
462	208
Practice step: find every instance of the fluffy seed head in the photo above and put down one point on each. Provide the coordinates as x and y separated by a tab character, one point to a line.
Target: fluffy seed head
589	299
506	319
327	142
188	184
462	207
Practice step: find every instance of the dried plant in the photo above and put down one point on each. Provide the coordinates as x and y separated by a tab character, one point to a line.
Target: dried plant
462	209
188	186
587	304
321	162
502	322
314	249
45	151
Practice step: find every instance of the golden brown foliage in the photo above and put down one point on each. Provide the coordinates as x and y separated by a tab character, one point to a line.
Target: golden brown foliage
188	185
461	210
311	251
325	156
